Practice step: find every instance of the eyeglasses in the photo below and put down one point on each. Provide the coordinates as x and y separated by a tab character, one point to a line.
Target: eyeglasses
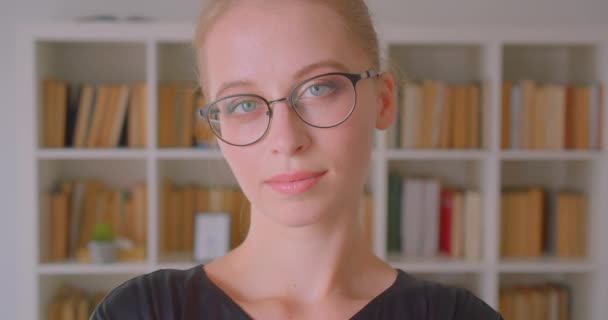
323	101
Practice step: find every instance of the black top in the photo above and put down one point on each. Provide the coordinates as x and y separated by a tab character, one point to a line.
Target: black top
190	294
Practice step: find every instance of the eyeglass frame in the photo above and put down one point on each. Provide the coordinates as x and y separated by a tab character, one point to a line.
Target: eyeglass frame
353	77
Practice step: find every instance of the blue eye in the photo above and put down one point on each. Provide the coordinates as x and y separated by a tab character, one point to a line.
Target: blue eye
318	90
244	106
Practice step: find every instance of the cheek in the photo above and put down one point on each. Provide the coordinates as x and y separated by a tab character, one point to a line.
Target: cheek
243	166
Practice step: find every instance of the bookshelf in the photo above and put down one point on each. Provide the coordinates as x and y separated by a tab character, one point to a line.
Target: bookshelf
153	53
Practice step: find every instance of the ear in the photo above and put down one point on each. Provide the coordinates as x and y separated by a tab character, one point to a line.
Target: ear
387	106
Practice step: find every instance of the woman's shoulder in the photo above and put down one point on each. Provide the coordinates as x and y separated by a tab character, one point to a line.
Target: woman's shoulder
155	295
425	299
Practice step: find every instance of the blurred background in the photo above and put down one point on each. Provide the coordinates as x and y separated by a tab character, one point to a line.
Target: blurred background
417	12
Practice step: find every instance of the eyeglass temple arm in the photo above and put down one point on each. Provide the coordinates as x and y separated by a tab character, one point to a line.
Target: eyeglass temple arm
369	74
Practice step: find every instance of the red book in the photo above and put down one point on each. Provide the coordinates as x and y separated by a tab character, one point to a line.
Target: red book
445	222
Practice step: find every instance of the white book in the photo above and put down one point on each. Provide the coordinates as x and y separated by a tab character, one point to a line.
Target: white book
411	224
430	217
211	235
472	225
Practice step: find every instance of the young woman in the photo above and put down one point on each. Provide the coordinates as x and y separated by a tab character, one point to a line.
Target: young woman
295	95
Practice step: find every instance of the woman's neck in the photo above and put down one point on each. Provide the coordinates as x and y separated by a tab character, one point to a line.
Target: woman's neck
304	263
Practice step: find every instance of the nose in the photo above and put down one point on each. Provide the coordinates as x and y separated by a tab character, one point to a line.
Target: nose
287	135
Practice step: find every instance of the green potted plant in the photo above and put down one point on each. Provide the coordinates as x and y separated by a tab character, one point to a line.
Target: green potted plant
102	247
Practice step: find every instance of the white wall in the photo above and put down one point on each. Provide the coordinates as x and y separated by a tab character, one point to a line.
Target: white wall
406	11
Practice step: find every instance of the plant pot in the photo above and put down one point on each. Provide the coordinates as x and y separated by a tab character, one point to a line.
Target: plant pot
102	251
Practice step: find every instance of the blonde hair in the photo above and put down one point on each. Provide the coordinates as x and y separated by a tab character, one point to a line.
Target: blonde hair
354	13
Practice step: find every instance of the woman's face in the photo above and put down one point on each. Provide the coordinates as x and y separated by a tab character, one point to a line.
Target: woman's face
297	174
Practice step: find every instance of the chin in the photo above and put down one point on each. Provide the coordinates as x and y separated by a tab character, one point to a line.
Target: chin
300	213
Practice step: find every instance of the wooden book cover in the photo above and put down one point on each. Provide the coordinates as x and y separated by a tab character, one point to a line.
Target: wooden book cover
535	221
143	115
474	112
457	241
446	118
60	226
461	121
175	220
560	120
187	136
47	103
540	118
88	214
202	200
61	113
439	98
167	115
140	202
505	228
216	199
120	115
429	91
166	192
133	114
414	121
569	117
582	139
83	122
565	211
108	116
101	101
188	218
472	228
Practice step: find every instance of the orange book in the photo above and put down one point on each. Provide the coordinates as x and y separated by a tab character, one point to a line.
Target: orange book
140	226
143	115
460	123
84	115
60	113
120	113
429	96
167	189
176	220
581	127
101	105
60	226
187	132
446	118
167	115
474	116
108	117
188	207
535	221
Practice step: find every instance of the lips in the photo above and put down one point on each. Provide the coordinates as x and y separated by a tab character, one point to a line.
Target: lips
295	182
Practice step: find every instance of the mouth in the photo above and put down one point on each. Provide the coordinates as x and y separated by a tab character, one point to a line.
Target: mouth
295	183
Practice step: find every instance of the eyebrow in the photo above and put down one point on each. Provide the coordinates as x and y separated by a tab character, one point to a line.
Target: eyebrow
307	69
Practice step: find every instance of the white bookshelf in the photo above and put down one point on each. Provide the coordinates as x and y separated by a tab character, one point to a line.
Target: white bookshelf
156	52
